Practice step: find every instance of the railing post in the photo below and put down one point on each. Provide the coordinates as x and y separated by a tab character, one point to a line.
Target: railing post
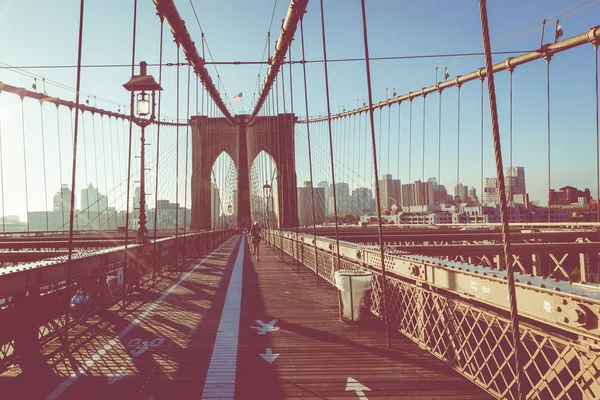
584	266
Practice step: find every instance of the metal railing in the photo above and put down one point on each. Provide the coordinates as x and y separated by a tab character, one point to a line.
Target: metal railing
42	301
460	314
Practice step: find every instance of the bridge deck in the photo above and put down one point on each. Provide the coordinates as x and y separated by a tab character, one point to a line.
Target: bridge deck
179	339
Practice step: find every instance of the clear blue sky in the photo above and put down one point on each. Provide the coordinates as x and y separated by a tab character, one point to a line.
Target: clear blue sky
45	33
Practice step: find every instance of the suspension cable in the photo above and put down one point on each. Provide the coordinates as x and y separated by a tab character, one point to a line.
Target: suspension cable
177	154
439	177
294	221
423	157
162	23
73	173
514	313
25	161
410	140
131	108
105	171
310	166
595	44
482	137
187	139
96	170
112	168
44	163
377	193
547	58
398	153
337	236
510	148
458	144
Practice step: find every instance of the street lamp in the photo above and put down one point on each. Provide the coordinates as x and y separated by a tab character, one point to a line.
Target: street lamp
267	195
140	85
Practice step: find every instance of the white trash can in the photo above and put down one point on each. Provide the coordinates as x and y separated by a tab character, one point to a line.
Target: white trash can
352	286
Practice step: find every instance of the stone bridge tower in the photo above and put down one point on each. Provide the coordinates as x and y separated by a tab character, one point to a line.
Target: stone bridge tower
212	136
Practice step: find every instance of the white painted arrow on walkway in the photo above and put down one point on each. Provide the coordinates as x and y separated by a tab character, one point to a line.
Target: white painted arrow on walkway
269	356
355	386
264	328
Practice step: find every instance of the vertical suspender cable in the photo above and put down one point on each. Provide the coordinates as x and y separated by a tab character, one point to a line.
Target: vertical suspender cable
177	157
44	162
410	139
131	108
310	166
73	173
87	192
482	90
25	160
96	170
377	194
105	177
284	169
510	148
398	153
380	132
389	171
503	215
112	170
337	236
294	220
120	170
423	160
439	177
187	143
547	58
156	211
458	146
73	118
595	44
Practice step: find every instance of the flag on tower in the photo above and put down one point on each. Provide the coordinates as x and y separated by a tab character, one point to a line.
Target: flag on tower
237	98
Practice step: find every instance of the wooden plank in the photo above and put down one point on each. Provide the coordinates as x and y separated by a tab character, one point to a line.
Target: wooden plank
317	353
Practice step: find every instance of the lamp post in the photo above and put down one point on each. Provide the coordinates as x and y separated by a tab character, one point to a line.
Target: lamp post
267	195
141	84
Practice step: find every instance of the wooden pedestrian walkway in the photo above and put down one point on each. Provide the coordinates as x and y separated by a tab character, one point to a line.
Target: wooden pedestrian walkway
320	357
231	327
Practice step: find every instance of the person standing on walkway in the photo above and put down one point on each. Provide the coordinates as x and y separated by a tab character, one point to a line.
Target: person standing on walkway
256	235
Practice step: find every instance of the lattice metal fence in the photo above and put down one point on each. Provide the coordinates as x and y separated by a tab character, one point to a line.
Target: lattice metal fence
38	303
473	338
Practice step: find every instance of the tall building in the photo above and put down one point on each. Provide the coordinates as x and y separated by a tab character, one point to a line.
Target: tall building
491	195
418	194
62	200
325	186
473	194
462	191
342	197
305	202
516	182
390	192
92	200
362	201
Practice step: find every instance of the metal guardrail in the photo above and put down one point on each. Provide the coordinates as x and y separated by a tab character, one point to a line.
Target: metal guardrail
459	313
39	301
